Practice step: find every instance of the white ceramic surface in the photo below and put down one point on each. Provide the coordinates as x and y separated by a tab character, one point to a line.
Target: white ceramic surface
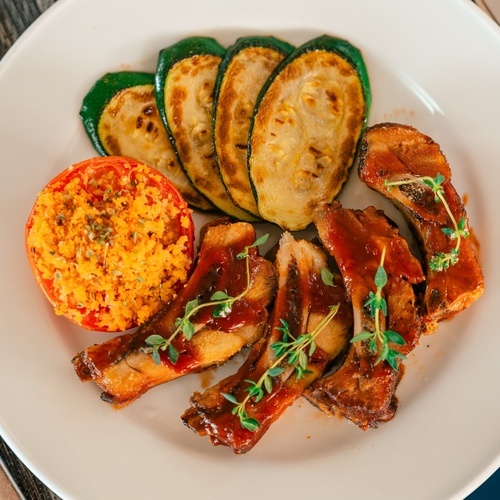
433	64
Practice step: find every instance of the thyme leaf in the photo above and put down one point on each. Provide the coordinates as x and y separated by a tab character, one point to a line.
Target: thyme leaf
220	301
440	260
327	277
289	352
378	340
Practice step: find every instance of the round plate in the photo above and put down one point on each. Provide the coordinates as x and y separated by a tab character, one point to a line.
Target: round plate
433	65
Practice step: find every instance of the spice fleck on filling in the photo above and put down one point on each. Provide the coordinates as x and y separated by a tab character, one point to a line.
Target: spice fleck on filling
112	246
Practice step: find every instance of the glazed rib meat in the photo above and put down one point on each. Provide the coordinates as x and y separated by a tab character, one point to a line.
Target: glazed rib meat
124	367
361	390
303	300
394	153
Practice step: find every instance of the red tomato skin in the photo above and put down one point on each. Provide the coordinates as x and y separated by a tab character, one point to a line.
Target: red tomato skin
87	169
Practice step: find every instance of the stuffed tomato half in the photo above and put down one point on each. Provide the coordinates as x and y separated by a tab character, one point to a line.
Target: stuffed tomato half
109	241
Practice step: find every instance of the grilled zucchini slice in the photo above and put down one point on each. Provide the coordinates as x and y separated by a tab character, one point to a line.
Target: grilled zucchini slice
245	68
306	129
184	83
120	117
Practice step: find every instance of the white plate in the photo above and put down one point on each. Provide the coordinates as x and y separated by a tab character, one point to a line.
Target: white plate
433	65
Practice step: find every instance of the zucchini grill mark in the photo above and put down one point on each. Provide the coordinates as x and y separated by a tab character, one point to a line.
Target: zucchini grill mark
306	129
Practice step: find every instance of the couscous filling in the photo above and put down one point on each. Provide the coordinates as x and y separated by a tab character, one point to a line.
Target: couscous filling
110	248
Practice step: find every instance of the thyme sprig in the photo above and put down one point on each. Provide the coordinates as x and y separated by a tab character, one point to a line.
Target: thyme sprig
220	300
290	352
378	340
441	260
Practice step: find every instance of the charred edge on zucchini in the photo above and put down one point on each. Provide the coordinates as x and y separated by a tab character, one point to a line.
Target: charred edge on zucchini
184	79
121	118
99	96
299	156
247	65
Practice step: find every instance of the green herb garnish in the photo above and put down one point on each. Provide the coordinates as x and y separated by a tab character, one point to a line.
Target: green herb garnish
290	352
223	306
378	339
441	260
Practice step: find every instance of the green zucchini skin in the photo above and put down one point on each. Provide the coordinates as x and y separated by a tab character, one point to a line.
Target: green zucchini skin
348	52
99	96
120	116
187	47
184	81
331	44
247	65
292	176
